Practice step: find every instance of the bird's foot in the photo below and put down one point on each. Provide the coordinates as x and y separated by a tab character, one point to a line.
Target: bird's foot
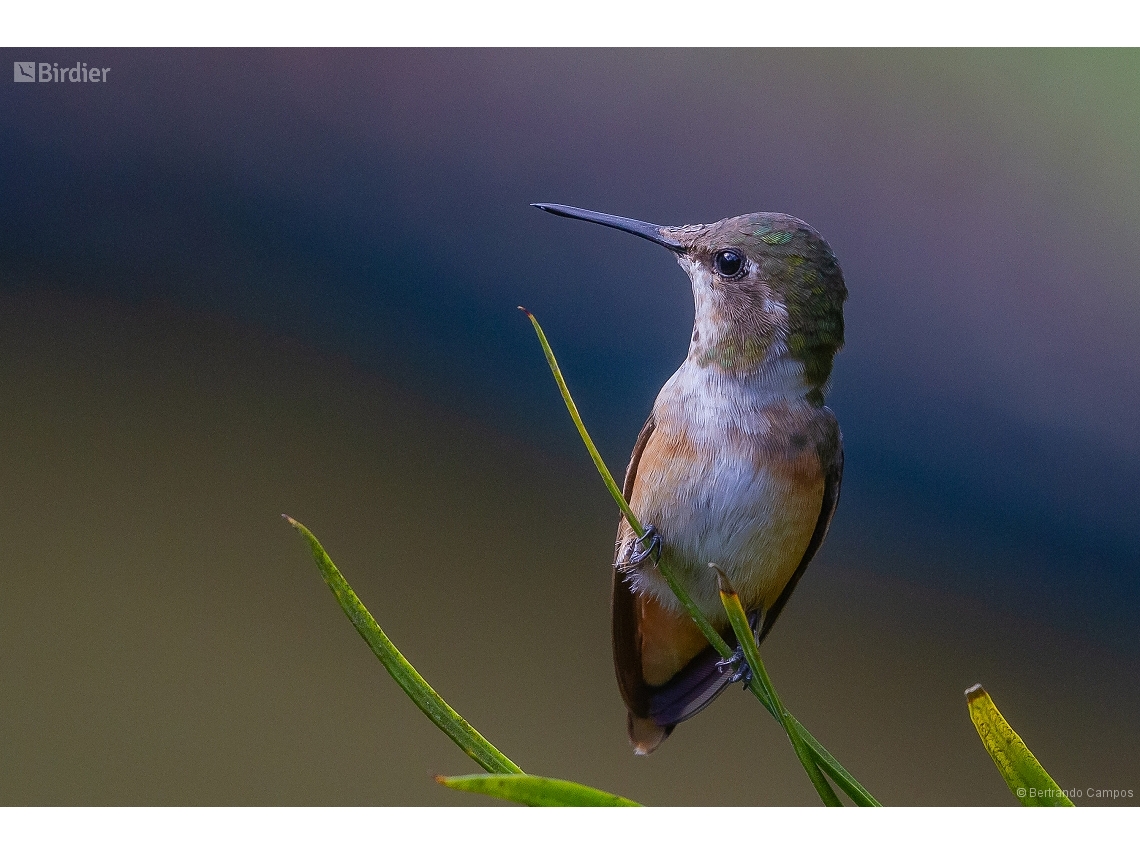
649	543
741	672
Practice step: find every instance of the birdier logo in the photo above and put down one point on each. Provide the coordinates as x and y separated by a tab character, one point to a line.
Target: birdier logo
50	72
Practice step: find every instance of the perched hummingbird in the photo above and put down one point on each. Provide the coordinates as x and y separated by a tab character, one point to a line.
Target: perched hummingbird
739	464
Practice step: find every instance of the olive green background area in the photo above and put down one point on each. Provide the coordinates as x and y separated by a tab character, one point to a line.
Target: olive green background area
167	639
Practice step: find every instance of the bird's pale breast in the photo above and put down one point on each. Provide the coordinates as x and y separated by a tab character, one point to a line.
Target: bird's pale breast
741	488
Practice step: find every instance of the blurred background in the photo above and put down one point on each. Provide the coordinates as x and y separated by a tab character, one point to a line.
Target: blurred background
235	284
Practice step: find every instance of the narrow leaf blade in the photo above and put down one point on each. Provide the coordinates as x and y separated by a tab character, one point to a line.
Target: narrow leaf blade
473	744
1025	777
535	791
747	641
681	594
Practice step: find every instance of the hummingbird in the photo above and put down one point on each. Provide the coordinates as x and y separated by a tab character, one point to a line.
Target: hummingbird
739	463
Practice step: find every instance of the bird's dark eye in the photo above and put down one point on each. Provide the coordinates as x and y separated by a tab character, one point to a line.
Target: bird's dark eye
729	263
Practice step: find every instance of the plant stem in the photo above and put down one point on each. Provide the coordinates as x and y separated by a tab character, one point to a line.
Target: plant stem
710	633
747	641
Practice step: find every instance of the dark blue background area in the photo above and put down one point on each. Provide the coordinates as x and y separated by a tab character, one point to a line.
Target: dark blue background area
374	204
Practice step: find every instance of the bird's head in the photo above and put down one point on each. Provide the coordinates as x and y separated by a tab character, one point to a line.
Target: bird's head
765	286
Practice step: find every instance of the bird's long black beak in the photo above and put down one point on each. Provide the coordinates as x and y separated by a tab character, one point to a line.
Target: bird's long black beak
635	227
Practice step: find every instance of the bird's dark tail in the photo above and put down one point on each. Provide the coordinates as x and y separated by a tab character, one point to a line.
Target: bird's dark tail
654	710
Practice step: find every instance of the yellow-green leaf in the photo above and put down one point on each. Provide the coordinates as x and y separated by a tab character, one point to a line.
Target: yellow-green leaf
535	791
1024	776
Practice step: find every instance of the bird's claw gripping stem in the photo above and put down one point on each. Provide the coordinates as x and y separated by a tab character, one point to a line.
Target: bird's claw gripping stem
741	671
650	543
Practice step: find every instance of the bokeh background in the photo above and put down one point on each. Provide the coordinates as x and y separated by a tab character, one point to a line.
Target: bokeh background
240	283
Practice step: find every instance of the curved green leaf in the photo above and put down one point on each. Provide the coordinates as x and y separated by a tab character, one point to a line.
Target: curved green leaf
473	743
535	791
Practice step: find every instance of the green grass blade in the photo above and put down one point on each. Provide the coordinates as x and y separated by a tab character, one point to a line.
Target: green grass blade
1024	776
662	565
856	791
844	779
414	686
739	621
603	470
535	791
